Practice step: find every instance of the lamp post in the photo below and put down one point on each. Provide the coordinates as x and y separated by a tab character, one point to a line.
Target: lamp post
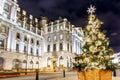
28	36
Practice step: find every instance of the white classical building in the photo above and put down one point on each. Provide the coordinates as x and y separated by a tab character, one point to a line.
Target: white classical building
30	43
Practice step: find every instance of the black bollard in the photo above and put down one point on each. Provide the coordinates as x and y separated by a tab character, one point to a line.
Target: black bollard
114	73
63	73
37	74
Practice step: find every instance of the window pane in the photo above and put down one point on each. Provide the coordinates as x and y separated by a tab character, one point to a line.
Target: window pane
61	36
61	27
37	52
48	48
61	46
17	47
54	47
6	7
55	38
49	29
54	28
49	39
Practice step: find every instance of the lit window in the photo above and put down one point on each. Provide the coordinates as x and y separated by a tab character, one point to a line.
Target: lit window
61	36
60	27
49	39
55	38
54	28
5	15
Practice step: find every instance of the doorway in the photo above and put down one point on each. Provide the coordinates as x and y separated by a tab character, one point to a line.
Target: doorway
54	66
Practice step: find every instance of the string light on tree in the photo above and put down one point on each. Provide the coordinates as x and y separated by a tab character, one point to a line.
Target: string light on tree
96	46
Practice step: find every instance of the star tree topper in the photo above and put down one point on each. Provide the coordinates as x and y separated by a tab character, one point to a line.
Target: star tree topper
91	9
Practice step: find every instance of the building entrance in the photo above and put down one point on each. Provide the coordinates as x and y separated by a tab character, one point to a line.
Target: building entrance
54	66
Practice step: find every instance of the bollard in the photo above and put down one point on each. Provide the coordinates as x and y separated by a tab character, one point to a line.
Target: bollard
37	74
114	73
63	73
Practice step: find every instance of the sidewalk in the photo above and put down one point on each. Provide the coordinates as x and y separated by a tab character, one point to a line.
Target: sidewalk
66	78
28	74
76	78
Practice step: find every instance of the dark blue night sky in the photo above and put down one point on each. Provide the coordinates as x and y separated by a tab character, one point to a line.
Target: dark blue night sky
75	11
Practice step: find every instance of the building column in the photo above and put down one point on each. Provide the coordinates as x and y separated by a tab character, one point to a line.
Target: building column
13	40
34	47
22	43
9	39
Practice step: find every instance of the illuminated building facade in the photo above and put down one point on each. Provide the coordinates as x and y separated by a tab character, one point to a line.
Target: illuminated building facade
30	43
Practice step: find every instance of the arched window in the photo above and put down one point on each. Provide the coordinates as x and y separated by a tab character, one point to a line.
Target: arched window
61	27
54	28
25	38
61	61
32	41
38	43
24	64
18	35
31	64
37	52
37	64
16	64
48	62
68	61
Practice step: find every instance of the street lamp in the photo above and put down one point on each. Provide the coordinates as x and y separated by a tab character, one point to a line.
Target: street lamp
28	36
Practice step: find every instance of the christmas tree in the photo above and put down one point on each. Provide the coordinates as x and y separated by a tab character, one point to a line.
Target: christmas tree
96	50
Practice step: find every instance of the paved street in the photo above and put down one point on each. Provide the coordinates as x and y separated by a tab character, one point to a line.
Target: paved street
56	76
46	76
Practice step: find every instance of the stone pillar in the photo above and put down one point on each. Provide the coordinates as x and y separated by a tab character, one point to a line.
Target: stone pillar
9	40
13	40
35	48
21	43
